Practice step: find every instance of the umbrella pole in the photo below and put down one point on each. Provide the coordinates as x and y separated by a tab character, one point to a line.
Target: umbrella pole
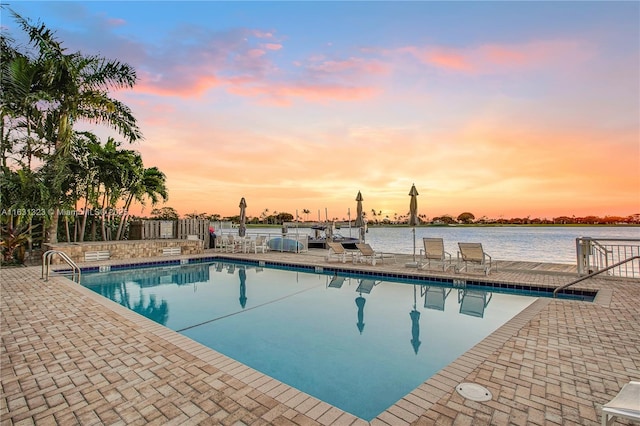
414	244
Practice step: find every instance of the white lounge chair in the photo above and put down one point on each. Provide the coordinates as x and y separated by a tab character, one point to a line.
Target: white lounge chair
626	405
434	253
471	255
336	250
367	254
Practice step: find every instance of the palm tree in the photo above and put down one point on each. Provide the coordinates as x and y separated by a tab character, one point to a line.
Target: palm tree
74	87
152	184
21	120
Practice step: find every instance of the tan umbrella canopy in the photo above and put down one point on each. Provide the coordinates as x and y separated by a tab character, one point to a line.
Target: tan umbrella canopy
413	215
414	220
359	216
242	230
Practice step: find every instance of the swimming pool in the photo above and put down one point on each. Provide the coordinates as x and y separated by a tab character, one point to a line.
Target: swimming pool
357	342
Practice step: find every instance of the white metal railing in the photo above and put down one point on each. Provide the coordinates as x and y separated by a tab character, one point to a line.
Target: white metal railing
46	265
593	274
595	254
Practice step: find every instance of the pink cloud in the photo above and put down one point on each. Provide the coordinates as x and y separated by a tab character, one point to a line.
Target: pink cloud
255	53
282	94
499	58
450	60
358	65
272	46
194	86
116	22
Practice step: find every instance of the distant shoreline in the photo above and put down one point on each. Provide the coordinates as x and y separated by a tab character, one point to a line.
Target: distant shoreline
466	225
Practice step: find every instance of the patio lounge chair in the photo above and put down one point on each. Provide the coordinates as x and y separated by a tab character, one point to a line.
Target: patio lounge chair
336	250
472	255
435	297
626	405
434	253
369	255
473	302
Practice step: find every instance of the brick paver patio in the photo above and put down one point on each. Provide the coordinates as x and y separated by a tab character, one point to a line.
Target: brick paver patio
70	356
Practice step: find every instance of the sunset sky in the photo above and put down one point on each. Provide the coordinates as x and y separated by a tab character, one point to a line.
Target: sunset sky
502	109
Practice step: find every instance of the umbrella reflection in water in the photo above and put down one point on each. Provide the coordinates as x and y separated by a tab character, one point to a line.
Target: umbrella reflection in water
360	301
415	324
242	274
365	286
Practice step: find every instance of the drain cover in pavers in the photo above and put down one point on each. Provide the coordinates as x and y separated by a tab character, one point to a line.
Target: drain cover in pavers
474	392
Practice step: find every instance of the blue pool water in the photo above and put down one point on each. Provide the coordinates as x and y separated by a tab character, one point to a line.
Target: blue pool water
355	342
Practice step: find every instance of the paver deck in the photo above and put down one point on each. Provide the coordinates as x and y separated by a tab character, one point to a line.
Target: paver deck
70	356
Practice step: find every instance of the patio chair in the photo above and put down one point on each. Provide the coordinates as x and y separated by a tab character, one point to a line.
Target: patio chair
367	254
626	405
260	243
473	302
227	244
434	253
435	297
336	250
471	255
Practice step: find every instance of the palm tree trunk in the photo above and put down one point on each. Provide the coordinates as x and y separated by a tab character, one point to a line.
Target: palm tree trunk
84	214
93	228
124	217
102	217
52	231
66	228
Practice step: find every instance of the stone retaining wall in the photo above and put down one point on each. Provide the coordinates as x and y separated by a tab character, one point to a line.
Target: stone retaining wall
124	249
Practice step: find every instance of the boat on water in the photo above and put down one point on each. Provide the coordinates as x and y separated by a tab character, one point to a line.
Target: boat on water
323	233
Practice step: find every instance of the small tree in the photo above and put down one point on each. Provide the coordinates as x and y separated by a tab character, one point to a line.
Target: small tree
165	213
466	217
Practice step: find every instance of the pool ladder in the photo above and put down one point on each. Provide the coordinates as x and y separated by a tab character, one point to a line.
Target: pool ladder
46	265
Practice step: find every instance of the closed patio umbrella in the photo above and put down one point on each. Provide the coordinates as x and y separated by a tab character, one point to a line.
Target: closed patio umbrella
359	216
413	215
242	230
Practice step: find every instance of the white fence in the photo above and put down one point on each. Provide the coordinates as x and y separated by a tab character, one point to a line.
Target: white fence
165	229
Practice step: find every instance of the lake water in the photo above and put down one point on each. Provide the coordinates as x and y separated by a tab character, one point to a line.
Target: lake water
539	244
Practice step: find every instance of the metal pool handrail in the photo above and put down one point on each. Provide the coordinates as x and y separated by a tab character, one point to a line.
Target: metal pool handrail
46	264
593	274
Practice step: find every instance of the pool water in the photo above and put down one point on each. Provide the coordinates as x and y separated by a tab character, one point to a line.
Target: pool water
356	342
